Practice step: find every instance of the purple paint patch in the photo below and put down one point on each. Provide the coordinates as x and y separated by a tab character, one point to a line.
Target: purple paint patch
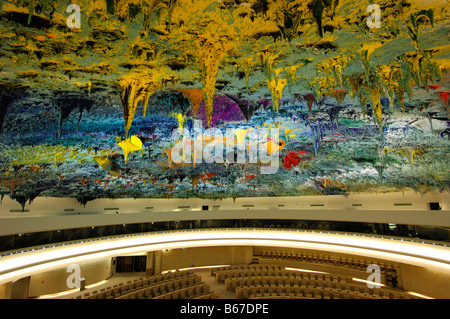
225	109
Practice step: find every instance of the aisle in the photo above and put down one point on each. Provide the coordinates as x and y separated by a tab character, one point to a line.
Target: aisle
214	285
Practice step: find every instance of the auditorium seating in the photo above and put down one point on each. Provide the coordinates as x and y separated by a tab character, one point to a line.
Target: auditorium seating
254	281
190	292
250	267
171	285
310	293
355	262
273	281
209	295
221	276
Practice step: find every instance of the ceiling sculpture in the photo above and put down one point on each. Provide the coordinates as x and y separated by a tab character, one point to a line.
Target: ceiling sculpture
219	99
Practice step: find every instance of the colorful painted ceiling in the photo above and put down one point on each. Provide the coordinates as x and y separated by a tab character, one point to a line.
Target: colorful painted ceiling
219	99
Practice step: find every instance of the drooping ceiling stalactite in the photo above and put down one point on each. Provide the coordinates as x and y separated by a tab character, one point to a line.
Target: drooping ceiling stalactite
336	105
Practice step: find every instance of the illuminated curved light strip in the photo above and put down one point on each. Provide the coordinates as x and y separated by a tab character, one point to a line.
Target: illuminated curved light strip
68	292
31	262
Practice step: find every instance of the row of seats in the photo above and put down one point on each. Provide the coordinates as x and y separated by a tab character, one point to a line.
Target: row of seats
352	288
247	266
308	293
275	276
232	283
209	295
163	288
277	297
138	283
221	276
192	292
350	262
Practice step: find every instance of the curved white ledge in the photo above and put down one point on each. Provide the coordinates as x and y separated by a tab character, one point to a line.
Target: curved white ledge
46	214
16	266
